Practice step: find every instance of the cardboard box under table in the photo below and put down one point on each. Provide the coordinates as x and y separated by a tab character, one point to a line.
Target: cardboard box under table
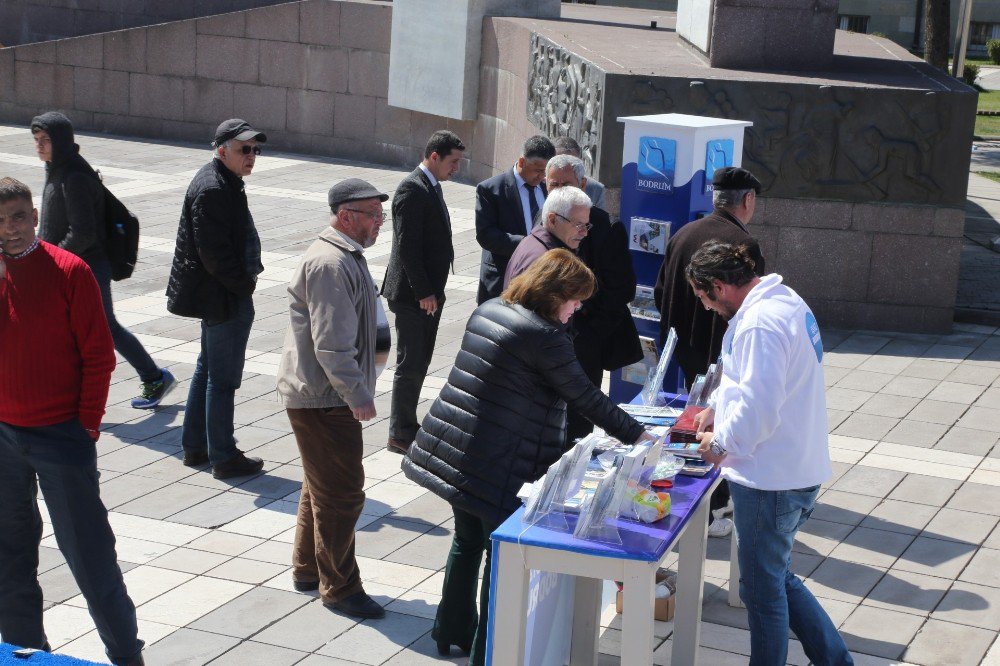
519	548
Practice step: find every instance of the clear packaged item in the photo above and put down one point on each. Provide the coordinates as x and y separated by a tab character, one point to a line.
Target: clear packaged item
654	383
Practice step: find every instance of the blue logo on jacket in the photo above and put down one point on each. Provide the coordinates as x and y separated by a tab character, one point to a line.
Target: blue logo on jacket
812	329
657	160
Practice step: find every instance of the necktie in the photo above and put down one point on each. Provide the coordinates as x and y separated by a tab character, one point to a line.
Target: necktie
532	205
444	206
447	219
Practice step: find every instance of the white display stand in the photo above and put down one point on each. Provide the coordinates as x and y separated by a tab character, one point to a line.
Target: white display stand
667	165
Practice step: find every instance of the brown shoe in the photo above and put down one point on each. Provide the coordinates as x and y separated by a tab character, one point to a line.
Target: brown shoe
398	446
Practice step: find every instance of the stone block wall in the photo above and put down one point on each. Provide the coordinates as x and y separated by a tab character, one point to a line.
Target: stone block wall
26	21
865	265
312	74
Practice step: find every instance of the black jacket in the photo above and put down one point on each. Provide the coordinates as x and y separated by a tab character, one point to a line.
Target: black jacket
699	331
73	198
210	271
501	418
500	226
421	242
604	320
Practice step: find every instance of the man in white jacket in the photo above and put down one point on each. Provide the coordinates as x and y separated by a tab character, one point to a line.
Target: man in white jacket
766	428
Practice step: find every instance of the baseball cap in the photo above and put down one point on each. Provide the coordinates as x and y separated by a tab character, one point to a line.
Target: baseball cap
236	128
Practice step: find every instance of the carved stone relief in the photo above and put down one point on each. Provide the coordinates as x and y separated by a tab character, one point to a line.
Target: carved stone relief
566	97
856	144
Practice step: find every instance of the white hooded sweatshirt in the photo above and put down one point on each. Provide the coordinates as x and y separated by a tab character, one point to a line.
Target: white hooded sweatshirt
771	402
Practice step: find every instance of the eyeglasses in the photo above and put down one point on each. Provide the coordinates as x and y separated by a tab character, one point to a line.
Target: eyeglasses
246	150
586	226
375	216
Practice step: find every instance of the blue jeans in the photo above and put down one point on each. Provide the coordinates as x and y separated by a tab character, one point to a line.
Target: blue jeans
776	600
62	460
126	344
208	415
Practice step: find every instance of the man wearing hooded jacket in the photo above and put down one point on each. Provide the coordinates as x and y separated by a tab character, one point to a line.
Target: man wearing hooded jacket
766	427
73	219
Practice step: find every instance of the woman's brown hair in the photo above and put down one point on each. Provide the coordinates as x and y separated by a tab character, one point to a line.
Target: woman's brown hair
556	277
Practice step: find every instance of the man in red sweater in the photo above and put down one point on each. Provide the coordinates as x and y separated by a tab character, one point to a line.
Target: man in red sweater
56	367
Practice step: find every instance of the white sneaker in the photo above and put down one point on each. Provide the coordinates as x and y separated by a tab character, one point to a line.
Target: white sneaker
720	528
725	511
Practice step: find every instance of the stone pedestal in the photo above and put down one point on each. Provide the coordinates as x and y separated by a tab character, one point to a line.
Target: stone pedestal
435	52
761	34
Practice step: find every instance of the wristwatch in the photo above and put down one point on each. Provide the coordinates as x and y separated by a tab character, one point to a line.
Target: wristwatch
718	449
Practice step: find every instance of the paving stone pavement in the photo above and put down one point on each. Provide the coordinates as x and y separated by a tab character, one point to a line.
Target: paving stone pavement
903	549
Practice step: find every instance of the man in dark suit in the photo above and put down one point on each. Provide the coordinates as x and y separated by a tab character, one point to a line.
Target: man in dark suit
415	279
606	336
506	207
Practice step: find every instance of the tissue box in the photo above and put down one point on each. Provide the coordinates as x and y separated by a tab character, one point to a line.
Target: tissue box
663	609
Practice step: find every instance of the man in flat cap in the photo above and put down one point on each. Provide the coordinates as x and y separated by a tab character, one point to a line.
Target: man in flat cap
326	381
700	331
213	277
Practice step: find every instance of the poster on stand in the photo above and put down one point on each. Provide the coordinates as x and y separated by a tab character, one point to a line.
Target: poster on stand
718	154
649	235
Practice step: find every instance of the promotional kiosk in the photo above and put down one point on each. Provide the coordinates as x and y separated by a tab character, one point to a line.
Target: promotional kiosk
667	167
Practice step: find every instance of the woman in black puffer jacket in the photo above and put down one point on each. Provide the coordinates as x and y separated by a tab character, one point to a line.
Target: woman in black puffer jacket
501	421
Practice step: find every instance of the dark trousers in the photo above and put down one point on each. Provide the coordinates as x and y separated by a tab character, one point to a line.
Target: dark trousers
62	460
416	332
588	353
457	622
211	402
126	344
330	445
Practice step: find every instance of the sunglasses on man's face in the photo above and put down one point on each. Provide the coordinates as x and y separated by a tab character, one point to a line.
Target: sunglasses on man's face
246	150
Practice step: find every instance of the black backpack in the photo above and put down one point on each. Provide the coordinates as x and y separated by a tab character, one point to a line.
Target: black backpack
121	233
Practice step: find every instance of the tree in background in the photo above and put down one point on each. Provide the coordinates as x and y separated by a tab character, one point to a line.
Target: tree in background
937	26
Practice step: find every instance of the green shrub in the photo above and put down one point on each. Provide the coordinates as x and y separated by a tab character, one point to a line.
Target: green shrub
993	48
970	73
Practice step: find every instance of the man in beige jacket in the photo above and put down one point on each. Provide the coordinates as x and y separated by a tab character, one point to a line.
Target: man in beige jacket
327	383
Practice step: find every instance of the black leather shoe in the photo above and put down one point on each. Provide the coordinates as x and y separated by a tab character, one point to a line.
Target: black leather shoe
444	649
305	585
195	458
397	446
238	466
359	605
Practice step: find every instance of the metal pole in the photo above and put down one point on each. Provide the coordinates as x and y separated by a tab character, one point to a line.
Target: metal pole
961	38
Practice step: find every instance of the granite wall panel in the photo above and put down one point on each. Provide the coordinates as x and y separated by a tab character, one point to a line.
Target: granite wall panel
310	112
228	59
171	49
279	23
326	69
207	101
101	90
153	96
125	51
319	22
26	21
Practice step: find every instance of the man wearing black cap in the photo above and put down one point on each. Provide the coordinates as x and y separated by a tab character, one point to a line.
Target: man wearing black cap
326	380
213	277
700	331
